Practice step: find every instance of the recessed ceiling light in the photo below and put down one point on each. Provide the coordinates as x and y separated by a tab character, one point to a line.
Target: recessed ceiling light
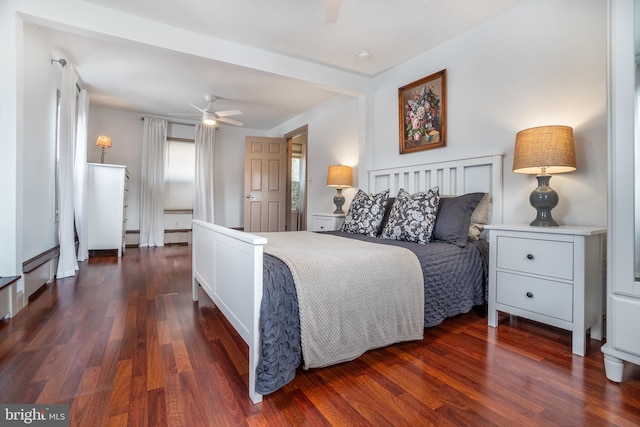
363	54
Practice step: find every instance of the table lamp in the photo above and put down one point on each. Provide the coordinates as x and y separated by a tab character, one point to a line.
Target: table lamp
543	151
103	142
339	176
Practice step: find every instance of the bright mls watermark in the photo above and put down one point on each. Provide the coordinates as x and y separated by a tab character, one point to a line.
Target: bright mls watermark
36	415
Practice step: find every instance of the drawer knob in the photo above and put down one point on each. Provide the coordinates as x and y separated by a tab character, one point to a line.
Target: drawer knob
530	256
529	295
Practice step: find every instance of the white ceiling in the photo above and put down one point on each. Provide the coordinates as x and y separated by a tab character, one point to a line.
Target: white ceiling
138	77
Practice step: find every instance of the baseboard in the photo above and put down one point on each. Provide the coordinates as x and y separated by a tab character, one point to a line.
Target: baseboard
181	236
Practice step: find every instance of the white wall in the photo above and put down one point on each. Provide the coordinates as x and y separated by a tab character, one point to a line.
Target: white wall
229	177
39	228
542	62
332	139
125	129
11	118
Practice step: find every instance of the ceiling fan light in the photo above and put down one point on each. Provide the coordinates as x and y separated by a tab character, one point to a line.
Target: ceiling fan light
209	119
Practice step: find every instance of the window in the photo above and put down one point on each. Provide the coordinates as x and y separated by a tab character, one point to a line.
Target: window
295	183
179	175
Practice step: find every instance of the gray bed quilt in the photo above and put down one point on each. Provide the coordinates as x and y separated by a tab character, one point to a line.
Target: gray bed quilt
454	282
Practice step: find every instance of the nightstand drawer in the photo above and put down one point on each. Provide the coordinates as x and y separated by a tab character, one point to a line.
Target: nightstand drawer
540	296
327	222
323	224
541	257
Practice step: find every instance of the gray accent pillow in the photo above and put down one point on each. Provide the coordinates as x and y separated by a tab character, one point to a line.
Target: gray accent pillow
454	217
412	217
365	213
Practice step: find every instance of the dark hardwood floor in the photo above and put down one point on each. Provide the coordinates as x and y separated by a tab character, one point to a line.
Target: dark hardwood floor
123	344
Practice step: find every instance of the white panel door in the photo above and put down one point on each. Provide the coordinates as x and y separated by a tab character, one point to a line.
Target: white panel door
265	180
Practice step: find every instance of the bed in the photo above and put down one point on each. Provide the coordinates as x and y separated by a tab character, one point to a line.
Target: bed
229	265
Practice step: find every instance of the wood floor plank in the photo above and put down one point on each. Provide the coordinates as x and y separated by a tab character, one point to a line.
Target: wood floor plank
157	411
138	404
155	367
76	372
120	420
89	381
123	344
174	401
119	403
222	406
334	407
195	414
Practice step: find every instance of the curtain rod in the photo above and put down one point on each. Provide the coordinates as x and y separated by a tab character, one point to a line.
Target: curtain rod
169	120
63	62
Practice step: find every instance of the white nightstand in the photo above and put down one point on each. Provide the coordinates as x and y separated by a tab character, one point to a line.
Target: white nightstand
552	275
327	222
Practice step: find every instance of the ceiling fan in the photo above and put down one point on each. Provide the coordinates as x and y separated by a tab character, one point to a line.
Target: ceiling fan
332	9
211	117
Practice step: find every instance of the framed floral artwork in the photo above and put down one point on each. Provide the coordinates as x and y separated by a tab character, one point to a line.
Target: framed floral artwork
423	115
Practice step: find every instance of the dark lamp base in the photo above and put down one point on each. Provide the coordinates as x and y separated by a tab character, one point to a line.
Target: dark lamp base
543	199
338	200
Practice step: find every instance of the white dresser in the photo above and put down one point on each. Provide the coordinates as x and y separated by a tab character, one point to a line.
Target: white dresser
106	206
327	222
552	275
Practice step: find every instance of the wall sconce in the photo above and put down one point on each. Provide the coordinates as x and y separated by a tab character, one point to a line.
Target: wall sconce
103	142
339	176
544	150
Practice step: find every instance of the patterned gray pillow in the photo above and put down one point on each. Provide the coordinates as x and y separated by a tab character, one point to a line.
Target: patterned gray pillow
412	217
365	213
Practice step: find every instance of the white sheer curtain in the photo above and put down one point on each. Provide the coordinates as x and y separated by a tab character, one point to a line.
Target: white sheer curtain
203	197
67	263
152	182
80	176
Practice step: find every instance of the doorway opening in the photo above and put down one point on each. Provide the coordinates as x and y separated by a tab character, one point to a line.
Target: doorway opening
296	209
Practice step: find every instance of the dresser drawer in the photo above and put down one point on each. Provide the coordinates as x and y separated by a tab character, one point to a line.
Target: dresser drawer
546	297
536	256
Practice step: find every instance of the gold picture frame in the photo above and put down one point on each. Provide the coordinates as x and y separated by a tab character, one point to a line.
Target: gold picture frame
423	113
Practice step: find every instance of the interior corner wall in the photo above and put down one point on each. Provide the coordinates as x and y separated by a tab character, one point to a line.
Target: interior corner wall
125	129
542	62
229	174
332	139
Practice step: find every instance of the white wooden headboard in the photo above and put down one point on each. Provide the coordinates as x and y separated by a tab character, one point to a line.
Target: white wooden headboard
454	177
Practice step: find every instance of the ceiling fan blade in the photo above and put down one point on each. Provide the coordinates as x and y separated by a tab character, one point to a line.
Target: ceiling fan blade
230	121
332	9
228	113
197	108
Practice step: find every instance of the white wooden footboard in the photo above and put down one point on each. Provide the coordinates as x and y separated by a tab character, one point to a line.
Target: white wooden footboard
228	265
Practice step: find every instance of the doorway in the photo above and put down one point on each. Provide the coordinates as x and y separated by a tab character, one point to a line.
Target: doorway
296	209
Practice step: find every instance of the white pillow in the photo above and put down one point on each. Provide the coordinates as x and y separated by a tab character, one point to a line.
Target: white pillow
479	217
